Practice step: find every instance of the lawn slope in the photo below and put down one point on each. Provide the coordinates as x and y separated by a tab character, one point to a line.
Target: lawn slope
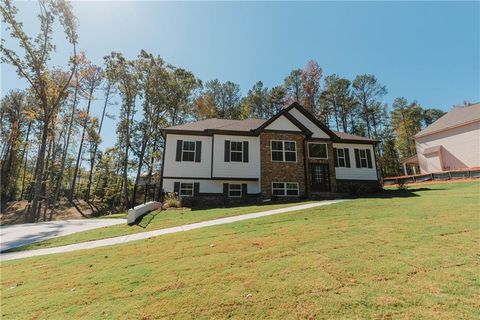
153	221
404	254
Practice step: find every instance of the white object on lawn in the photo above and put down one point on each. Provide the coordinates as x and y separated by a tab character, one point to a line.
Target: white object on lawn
140	210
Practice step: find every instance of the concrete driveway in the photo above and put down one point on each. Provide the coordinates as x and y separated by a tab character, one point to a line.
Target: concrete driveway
18	235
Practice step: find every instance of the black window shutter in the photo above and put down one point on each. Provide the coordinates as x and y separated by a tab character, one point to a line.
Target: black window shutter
244	190
245	151
198	151
179	150
176	187
335	156
369	158
347	157
227	150
357	158
196	188
225	189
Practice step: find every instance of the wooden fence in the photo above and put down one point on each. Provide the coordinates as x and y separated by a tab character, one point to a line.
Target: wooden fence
439	176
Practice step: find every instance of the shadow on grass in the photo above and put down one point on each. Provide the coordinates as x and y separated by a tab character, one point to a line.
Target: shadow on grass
145	220
389	194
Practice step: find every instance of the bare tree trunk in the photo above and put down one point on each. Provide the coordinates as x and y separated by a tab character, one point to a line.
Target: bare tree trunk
39	171
139	170
75	172
92	163
25	157
65	149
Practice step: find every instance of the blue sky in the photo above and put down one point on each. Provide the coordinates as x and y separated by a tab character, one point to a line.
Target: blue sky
424	51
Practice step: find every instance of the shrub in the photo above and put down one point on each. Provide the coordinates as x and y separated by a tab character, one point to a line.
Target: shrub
402	185
172	200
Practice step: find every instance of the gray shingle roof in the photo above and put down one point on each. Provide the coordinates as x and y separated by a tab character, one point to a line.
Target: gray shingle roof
246	125
455	118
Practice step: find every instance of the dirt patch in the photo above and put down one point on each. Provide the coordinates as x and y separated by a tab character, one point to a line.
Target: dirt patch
16	212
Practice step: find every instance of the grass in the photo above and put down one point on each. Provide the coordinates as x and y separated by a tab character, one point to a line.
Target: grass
152	221
402	254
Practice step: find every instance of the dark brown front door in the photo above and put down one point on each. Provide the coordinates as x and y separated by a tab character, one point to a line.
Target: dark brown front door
319	177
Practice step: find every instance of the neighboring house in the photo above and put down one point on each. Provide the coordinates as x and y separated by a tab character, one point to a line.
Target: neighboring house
452	142
291	154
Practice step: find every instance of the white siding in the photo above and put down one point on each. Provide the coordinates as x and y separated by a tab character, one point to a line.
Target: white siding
200	169
250	169
460	149
283	124
317	132
212	186
354	173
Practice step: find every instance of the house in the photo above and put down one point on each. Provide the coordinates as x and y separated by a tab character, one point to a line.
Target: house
452	142
291	154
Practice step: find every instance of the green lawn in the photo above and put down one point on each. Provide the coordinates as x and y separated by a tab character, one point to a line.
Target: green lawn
153	221
403	254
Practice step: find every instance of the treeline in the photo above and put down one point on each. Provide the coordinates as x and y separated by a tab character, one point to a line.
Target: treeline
50	138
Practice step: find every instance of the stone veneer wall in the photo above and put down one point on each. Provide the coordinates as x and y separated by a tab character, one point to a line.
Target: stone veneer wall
330	161
281	171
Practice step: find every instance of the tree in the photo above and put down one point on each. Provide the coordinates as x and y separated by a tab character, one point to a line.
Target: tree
368	92
220	100
34	69
152	75
16	125
293	84
431	115
406	120
311	85
276	100
337	98
256	101
90	78
123	73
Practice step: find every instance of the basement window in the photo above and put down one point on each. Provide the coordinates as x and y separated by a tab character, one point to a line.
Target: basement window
285	189
235	190
186	189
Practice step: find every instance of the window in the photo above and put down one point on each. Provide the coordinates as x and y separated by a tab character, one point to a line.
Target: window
285	189
186	189
317	151
188	151
341	157
234	190
284	151
363	158
236	151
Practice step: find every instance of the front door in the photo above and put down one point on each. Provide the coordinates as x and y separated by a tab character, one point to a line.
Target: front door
319	177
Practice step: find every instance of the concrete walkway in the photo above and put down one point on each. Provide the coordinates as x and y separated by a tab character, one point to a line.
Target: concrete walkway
18	235
155	233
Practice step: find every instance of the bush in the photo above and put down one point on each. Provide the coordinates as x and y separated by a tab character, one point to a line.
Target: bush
172	200
402	185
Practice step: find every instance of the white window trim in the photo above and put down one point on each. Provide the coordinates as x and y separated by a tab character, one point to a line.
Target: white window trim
241	143
339	157
360	157
308	147
236	184
194	150
285	189
283	150
180	189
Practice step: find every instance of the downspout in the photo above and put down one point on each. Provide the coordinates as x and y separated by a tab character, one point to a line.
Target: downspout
211	160
160	189
305	161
